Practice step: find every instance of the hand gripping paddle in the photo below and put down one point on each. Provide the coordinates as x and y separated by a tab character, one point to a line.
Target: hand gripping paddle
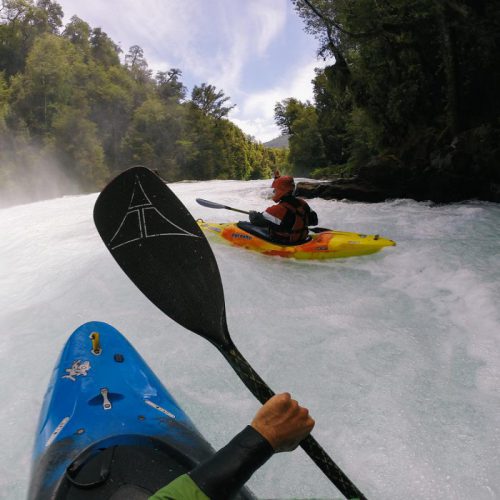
160	247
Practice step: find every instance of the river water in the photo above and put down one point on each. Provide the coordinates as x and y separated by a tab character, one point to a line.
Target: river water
396	354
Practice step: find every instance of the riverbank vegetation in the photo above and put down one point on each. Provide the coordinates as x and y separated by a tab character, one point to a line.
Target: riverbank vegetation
411	105
72	114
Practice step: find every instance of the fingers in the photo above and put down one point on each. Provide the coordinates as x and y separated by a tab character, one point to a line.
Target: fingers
292	406
283	422
283	400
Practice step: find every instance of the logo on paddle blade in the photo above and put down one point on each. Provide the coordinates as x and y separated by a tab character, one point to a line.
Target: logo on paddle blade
143	220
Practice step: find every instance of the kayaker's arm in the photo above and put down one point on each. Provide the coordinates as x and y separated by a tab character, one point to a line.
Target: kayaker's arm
231	467
257	219
265	219
280	425
313	218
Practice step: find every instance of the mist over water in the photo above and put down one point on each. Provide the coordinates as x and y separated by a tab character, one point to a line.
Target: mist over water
396	355
29	173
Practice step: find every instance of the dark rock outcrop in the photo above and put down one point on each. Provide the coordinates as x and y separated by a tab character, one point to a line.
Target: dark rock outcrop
436	188
455	173
349	189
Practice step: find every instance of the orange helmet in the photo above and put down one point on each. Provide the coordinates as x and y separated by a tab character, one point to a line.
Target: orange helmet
282	186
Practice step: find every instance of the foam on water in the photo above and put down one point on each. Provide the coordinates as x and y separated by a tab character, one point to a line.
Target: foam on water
395	354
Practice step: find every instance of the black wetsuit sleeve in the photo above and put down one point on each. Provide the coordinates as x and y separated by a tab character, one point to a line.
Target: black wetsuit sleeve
221	476
313	218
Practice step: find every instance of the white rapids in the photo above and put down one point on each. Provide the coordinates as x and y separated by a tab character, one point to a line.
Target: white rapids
396	354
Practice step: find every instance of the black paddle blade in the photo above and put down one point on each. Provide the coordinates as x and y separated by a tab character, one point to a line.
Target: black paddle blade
209	204
161	248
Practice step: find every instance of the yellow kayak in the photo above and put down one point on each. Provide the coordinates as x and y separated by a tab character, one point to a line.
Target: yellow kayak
327	244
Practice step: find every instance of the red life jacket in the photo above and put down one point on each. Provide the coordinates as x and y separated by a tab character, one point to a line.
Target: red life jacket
294	225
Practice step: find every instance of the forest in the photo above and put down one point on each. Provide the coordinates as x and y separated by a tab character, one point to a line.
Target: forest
72	115
411	106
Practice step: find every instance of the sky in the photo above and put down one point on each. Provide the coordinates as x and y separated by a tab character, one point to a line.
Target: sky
254	50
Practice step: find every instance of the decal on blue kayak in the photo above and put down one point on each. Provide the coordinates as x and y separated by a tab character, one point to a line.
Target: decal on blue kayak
77	368
159	408
57	430
143	220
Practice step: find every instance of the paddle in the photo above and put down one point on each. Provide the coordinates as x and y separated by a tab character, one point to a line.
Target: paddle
212	204
161	248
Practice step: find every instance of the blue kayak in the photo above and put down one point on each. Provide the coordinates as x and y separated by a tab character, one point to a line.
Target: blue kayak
108	429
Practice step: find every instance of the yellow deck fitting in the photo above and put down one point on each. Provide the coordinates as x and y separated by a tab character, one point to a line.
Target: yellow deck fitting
96	345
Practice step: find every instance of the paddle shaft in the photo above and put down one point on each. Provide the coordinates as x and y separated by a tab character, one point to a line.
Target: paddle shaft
262	392
212	204
237	210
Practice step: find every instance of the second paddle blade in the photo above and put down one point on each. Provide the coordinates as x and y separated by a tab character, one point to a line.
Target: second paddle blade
209	204
161	248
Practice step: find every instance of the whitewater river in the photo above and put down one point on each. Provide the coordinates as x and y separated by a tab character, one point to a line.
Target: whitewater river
396	354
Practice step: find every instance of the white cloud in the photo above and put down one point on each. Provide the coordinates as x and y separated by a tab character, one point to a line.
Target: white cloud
262	129
242	31
255	114
268	21
212	41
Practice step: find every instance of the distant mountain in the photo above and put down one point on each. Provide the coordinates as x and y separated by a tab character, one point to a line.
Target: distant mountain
278	142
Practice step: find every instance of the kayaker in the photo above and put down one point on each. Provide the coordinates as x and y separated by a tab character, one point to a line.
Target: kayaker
289	220
280	425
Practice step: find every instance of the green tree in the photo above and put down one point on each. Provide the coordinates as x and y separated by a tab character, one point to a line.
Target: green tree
210	101
137	65
104	50
169	86
4	102
286	113
78	33
219	148
411	64
74	139
153	135
306	145
48	18
300	121
21	22
111	96
6	167
48	82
